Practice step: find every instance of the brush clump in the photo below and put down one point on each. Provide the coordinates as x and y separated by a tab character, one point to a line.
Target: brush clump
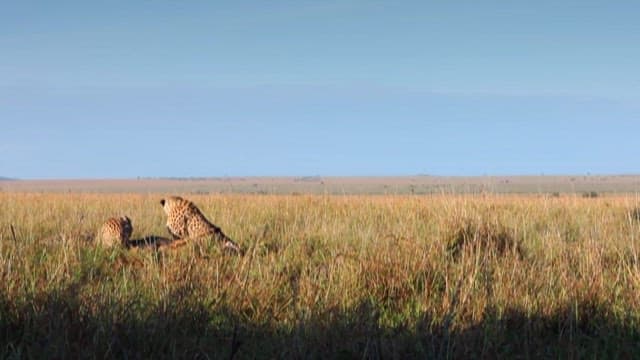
481	235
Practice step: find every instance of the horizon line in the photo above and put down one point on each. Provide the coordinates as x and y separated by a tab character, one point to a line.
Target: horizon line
219	177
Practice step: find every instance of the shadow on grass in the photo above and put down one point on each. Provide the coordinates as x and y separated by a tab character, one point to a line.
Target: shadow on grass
62	325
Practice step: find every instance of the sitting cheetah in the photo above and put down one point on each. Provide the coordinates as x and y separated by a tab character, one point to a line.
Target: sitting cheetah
116	231
185	221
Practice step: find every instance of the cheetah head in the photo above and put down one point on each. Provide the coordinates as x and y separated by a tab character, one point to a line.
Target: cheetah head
169	203
127	228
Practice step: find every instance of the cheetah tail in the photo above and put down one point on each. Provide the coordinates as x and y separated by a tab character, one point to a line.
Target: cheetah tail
229	244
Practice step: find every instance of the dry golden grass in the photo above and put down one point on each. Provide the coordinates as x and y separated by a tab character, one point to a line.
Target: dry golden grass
325	276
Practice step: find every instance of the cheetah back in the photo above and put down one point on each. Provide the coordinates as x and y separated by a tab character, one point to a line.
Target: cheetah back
115	231
178	211
185	220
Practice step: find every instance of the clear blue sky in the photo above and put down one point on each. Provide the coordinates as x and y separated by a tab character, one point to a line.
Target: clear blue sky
113	89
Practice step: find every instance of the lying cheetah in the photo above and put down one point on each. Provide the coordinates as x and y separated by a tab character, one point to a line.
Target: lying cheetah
115	231
185	221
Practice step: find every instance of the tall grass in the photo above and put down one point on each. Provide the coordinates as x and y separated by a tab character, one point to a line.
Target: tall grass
324	277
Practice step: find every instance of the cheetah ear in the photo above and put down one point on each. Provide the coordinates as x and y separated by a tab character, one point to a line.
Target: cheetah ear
162	202
126	219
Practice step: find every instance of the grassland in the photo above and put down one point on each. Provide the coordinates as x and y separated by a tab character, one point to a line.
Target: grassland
393	276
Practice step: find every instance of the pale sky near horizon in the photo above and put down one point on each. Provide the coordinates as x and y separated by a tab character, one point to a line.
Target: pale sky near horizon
238	88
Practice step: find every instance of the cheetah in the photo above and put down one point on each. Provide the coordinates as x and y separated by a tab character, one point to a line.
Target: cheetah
185	221
115	231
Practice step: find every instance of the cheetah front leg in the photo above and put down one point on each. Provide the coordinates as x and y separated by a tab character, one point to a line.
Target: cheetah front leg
173	235
176	243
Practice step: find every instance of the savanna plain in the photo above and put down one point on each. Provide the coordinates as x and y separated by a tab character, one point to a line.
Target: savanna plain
325	276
